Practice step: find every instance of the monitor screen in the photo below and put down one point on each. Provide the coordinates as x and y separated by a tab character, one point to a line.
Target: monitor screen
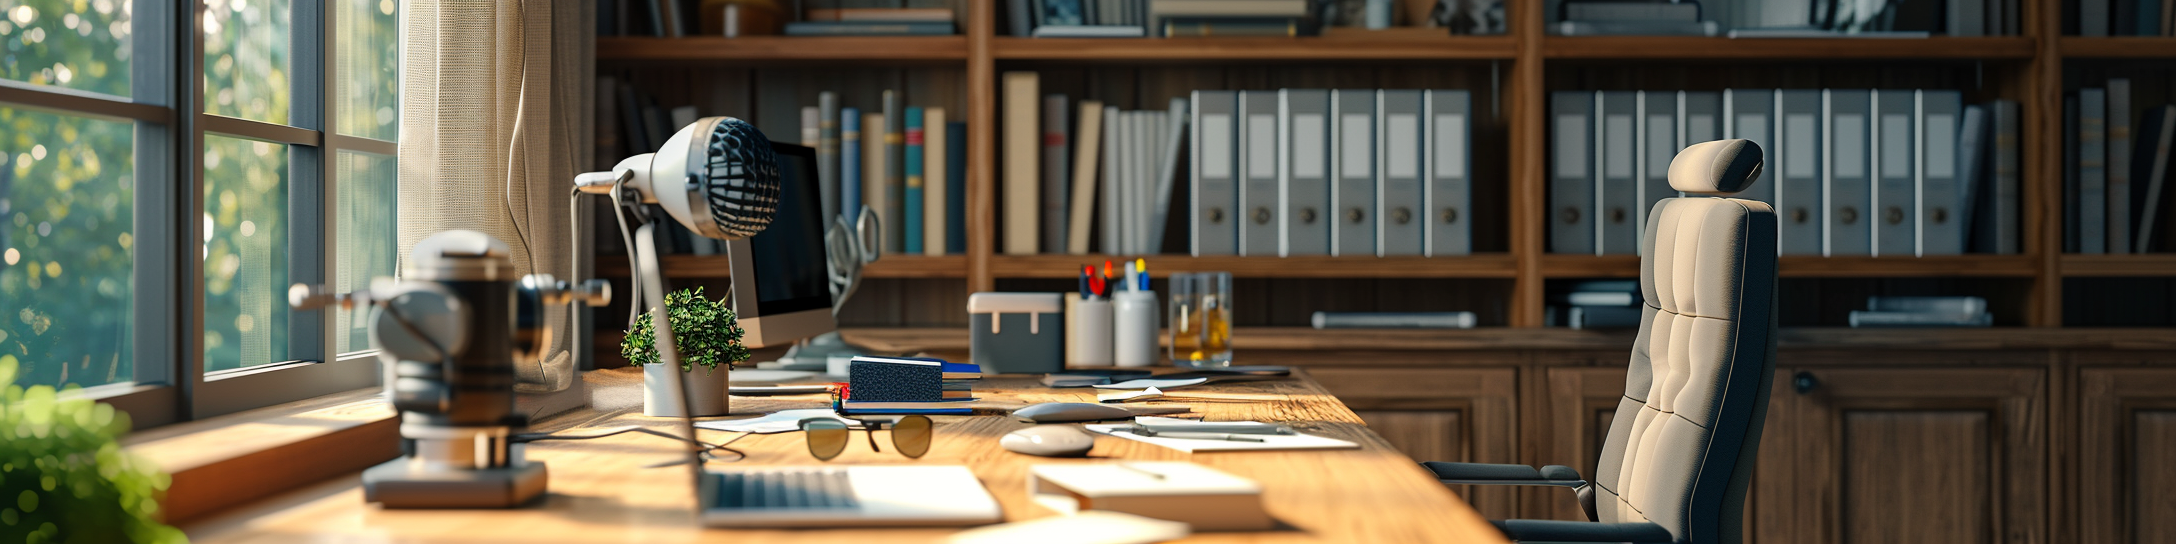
790	271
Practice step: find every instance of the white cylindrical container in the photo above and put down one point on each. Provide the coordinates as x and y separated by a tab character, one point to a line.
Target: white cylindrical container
1087	332
1379	13
707	391
1134	342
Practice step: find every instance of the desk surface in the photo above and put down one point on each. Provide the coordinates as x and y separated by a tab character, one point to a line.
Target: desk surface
599	491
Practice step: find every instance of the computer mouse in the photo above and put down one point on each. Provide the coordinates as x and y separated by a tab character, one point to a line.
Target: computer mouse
1049	441
1065	412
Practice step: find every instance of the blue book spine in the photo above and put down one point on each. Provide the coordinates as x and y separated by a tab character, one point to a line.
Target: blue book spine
955	221
850	164
913	212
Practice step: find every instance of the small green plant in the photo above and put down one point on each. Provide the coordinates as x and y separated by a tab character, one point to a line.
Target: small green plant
706	331
63	475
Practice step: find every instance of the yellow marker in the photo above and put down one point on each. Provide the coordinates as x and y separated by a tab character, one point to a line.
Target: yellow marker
1141	265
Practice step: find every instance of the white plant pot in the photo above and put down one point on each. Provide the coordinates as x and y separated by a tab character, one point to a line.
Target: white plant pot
707	391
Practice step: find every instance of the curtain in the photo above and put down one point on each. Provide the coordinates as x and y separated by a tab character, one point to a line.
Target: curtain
491	106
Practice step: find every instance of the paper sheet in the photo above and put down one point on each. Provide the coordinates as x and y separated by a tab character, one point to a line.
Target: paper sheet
1190	445
1146	383
777	422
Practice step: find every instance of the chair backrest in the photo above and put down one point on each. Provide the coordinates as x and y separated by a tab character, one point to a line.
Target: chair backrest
1680	451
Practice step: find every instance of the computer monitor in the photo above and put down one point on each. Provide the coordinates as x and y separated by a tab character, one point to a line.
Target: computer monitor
781	282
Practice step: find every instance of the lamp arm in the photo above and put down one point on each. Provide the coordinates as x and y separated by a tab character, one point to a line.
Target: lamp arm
668	352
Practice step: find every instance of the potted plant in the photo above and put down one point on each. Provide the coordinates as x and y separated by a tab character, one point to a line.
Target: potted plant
66	478
708	337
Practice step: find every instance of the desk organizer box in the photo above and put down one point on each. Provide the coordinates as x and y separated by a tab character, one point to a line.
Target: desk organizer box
1017	333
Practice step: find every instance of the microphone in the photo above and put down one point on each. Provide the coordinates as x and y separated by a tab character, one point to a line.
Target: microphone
718	177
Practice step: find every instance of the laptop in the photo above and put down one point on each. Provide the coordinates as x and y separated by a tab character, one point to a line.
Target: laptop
844	496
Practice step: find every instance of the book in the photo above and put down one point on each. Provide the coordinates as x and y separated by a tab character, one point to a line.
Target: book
1213	181
2118	167
1055	172
941	406
955	191
1616	185
1393	320
1172	142
850	149
607	138
1223	27
875	197
827	153
1259	164
1090	31
935	177
911	207
1572	176
1113	227
895	175
1974	181
1604	317
1878	319
2150	170
2092	171
2071	225
900	379
1615	10
1022	172
1304	180
1085	162
1923	304
894	15
811	126
632	123
1602	298
2009	231
869	28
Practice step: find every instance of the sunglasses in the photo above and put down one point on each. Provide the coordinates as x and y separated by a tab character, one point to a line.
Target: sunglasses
827	437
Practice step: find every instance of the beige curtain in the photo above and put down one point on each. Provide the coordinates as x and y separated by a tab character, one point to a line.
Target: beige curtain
491	99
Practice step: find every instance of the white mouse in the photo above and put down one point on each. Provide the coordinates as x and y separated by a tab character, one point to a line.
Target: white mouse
1049	441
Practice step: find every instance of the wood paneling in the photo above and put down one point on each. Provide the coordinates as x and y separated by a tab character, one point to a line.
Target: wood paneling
1916	476
2127	434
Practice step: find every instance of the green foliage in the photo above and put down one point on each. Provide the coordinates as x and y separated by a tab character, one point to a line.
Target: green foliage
63	475
706	331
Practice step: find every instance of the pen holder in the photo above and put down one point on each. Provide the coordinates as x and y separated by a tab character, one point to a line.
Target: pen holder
1088	325
1017	333
1135	328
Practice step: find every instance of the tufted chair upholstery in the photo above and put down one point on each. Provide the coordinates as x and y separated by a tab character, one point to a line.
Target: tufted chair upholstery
1680	452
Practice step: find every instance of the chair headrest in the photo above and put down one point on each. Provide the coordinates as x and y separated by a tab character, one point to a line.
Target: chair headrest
1717	168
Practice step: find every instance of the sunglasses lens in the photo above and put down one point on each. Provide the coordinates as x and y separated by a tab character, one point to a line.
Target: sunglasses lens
826	437
912	435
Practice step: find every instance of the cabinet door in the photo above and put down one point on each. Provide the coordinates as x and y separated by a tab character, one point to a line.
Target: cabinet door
2127	434
1582	403
1439	414
1922	455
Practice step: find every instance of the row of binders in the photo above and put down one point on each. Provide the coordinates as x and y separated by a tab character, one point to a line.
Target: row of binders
1849	171
2116	171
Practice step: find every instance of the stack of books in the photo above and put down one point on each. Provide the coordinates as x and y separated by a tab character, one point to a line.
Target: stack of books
1621	18
2116	151
1892	312
683	18
1166	18
872	18
908	385
1598	304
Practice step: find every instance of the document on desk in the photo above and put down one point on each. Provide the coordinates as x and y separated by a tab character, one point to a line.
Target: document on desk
777	422
1159	383
1267	442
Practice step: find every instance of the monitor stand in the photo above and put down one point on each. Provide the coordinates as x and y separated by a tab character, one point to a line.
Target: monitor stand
815	354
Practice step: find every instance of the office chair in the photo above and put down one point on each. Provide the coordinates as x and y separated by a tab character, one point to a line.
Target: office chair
1680	452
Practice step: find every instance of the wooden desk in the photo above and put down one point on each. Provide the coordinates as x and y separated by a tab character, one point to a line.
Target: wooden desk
600	492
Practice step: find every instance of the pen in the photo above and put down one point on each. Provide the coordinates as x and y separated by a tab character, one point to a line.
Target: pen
1141	265
1227	437
1085	290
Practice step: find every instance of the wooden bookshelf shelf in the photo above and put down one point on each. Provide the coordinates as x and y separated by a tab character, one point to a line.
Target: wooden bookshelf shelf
1676	48
1402	46
2129	47
716	266
1068	266
1796	266
2145	265
759	49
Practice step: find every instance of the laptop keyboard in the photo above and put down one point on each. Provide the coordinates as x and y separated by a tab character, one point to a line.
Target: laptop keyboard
796	488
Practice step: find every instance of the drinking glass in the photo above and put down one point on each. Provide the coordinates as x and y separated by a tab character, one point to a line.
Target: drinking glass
1201	320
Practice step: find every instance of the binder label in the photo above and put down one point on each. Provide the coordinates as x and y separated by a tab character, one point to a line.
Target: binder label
1308	130
1798	145
1850	157
1896	127
1261	146
1617	130
1356	151
1451	146
1571	144
1404	150
1941	142
1702	128
1216	153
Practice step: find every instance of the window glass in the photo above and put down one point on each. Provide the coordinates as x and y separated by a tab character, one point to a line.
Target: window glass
369	71
368	240
245	253
245	59
77	44
66	210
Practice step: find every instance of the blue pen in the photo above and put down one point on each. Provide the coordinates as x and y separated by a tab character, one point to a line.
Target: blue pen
1141	266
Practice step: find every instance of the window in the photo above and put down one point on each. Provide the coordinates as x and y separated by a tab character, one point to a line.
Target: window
155	207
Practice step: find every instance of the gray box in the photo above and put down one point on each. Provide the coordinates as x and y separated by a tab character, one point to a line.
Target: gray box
1017	333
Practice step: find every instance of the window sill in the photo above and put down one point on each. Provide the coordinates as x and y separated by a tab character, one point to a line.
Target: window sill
229	460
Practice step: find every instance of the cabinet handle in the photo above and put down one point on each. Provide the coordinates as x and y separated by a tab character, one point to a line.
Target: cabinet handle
1803	382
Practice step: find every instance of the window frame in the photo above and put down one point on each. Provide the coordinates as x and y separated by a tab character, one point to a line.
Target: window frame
166	106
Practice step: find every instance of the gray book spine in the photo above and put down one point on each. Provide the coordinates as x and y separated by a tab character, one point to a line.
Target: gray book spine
2009	229
1259	158
827	151
1896	173
1750	115
1659	142
2151	167
1214	195
2118	168
1967	17
2071	230
1450	173
1798	174
2093	17
1401	225
1304	190
2092	171
1057	169
1941	229
1167	173
1951	305
1113	235
1974	181
1616	192
1572	172
1352	191
1848	194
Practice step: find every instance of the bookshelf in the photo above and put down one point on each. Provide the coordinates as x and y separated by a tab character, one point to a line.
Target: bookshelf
1512	75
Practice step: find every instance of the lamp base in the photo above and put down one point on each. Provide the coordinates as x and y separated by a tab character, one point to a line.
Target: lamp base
403	483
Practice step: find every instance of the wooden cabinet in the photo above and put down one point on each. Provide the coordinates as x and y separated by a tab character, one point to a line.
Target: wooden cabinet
1439	414
2127	437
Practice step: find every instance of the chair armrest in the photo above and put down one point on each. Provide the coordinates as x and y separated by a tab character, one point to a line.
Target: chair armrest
1499	474
1544	530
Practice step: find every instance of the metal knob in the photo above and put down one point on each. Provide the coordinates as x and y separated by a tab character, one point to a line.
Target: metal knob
594	292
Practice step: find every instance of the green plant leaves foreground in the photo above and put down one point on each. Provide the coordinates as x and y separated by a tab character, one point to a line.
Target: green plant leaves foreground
63	475
706	332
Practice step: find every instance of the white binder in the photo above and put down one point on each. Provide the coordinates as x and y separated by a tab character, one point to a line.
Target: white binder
1571	174
1659	142
1305	185
1352	189
1848	191
1401	222
1214	193
1941	226
1750	114
1616	191
1896	172
1450	173
1258	165
1797	162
